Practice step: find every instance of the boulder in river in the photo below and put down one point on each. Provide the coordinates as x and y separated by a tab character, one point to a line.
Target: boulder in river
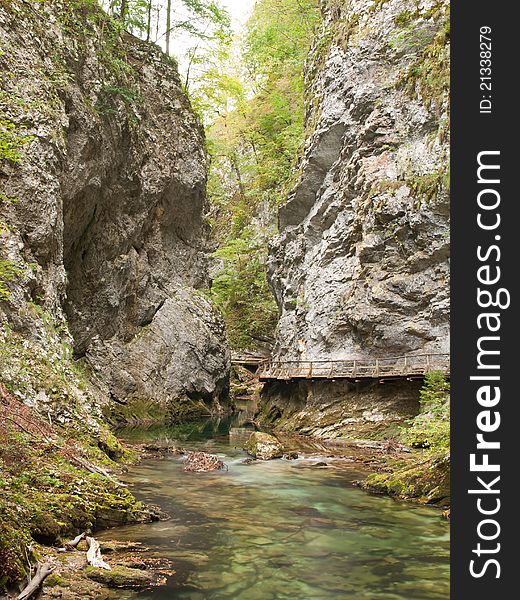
199	462
121	577
264	446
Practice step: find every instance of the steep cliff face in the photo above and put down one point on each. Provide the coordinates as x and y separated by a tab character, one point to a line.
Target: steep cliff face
103	202
360	268
361	265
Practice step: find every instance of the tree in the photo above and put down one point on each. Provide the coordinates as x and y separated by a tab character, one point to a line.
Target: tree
168	25
200	18
123	9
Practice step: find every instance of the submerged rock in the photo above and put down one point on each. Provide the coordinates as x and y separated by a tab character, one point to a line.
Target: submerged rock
200	462
264	446
121	577
290	455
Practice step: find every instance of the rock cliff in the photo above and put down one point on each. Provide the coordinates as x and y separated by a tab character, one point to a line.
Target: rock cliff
102	209
361	265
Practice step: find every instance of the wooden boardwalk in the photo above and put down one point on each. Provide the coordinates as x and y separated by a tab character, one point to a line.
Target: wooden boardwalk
393	367
247	359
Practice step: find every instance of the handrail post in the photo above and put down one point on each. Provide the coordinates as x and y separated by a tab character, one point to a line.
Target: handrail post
377	367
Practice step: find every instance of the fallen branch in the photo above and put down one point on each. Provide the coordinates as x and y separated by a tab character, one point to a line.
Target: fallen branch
94	557
73	543
20	426
99	470
42	572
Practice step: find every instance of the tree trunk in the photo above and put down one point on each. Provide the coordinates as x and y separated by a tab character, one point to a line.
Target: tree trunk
236	167
94	557
149	21
168	25
123	9
34	585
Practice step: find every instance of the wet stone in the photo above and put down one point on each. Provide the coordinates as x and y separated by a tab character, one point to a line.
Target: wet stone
264	446
200	462
121	577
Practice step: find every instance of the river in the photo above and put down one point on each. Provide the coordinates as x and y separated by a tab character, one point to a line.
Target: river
280	529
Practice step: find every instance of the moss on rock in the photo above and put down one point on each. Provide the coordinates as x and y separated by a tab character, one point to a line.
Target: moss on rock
46	490
426	480
264	446
120	577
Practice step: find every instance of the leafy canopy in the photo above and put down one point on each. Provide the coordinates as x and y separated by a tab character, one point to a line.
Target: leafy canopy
250	94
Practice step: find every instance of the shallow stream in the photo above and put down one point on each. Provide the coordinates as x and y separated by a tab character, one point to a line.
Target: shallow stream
281	529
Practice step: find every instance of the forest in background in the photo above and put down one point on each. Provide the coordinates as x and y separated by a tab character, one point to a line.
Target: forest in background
252	100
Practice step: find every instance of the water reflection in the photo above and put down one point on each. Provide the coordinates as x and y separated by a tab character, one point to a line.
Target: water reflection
281	529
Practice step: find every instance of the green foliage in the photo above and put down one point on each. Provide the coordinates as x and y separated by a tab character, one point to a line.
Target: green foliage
9	271
429	75
254	113
241	290
427	186
202	19
5	198
125	93
12	140
431	428
44	494
423	474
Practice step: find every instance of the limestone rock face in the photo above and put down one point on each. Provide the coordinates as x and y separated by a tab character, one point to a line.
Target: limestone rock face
360	268
264	446
339	409
108	226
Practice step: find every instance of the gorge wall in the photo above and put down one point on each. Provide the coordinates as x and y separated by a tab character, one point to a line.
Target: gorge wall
361	265
103	237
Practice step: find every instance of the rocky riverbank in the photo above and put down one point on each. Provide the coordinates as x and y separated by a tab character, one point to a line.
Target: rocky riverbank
103	269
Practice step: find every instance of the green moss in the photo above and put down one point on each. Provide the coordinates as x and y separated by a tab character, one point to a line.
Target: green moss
404	18
9	271
12	139
431	427
426	480
4	198
45	492
427	186
186	409
113	448
136	411
428	77
120	577
423	474
46	496
55	580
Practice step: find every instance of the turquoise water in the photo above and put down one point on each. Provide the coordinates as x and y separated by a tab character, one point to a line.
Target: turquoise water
282	529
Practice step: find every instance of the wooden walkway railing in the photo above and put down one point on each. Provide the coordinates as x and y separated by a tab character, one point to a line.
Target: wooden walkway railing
355	369
250	360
